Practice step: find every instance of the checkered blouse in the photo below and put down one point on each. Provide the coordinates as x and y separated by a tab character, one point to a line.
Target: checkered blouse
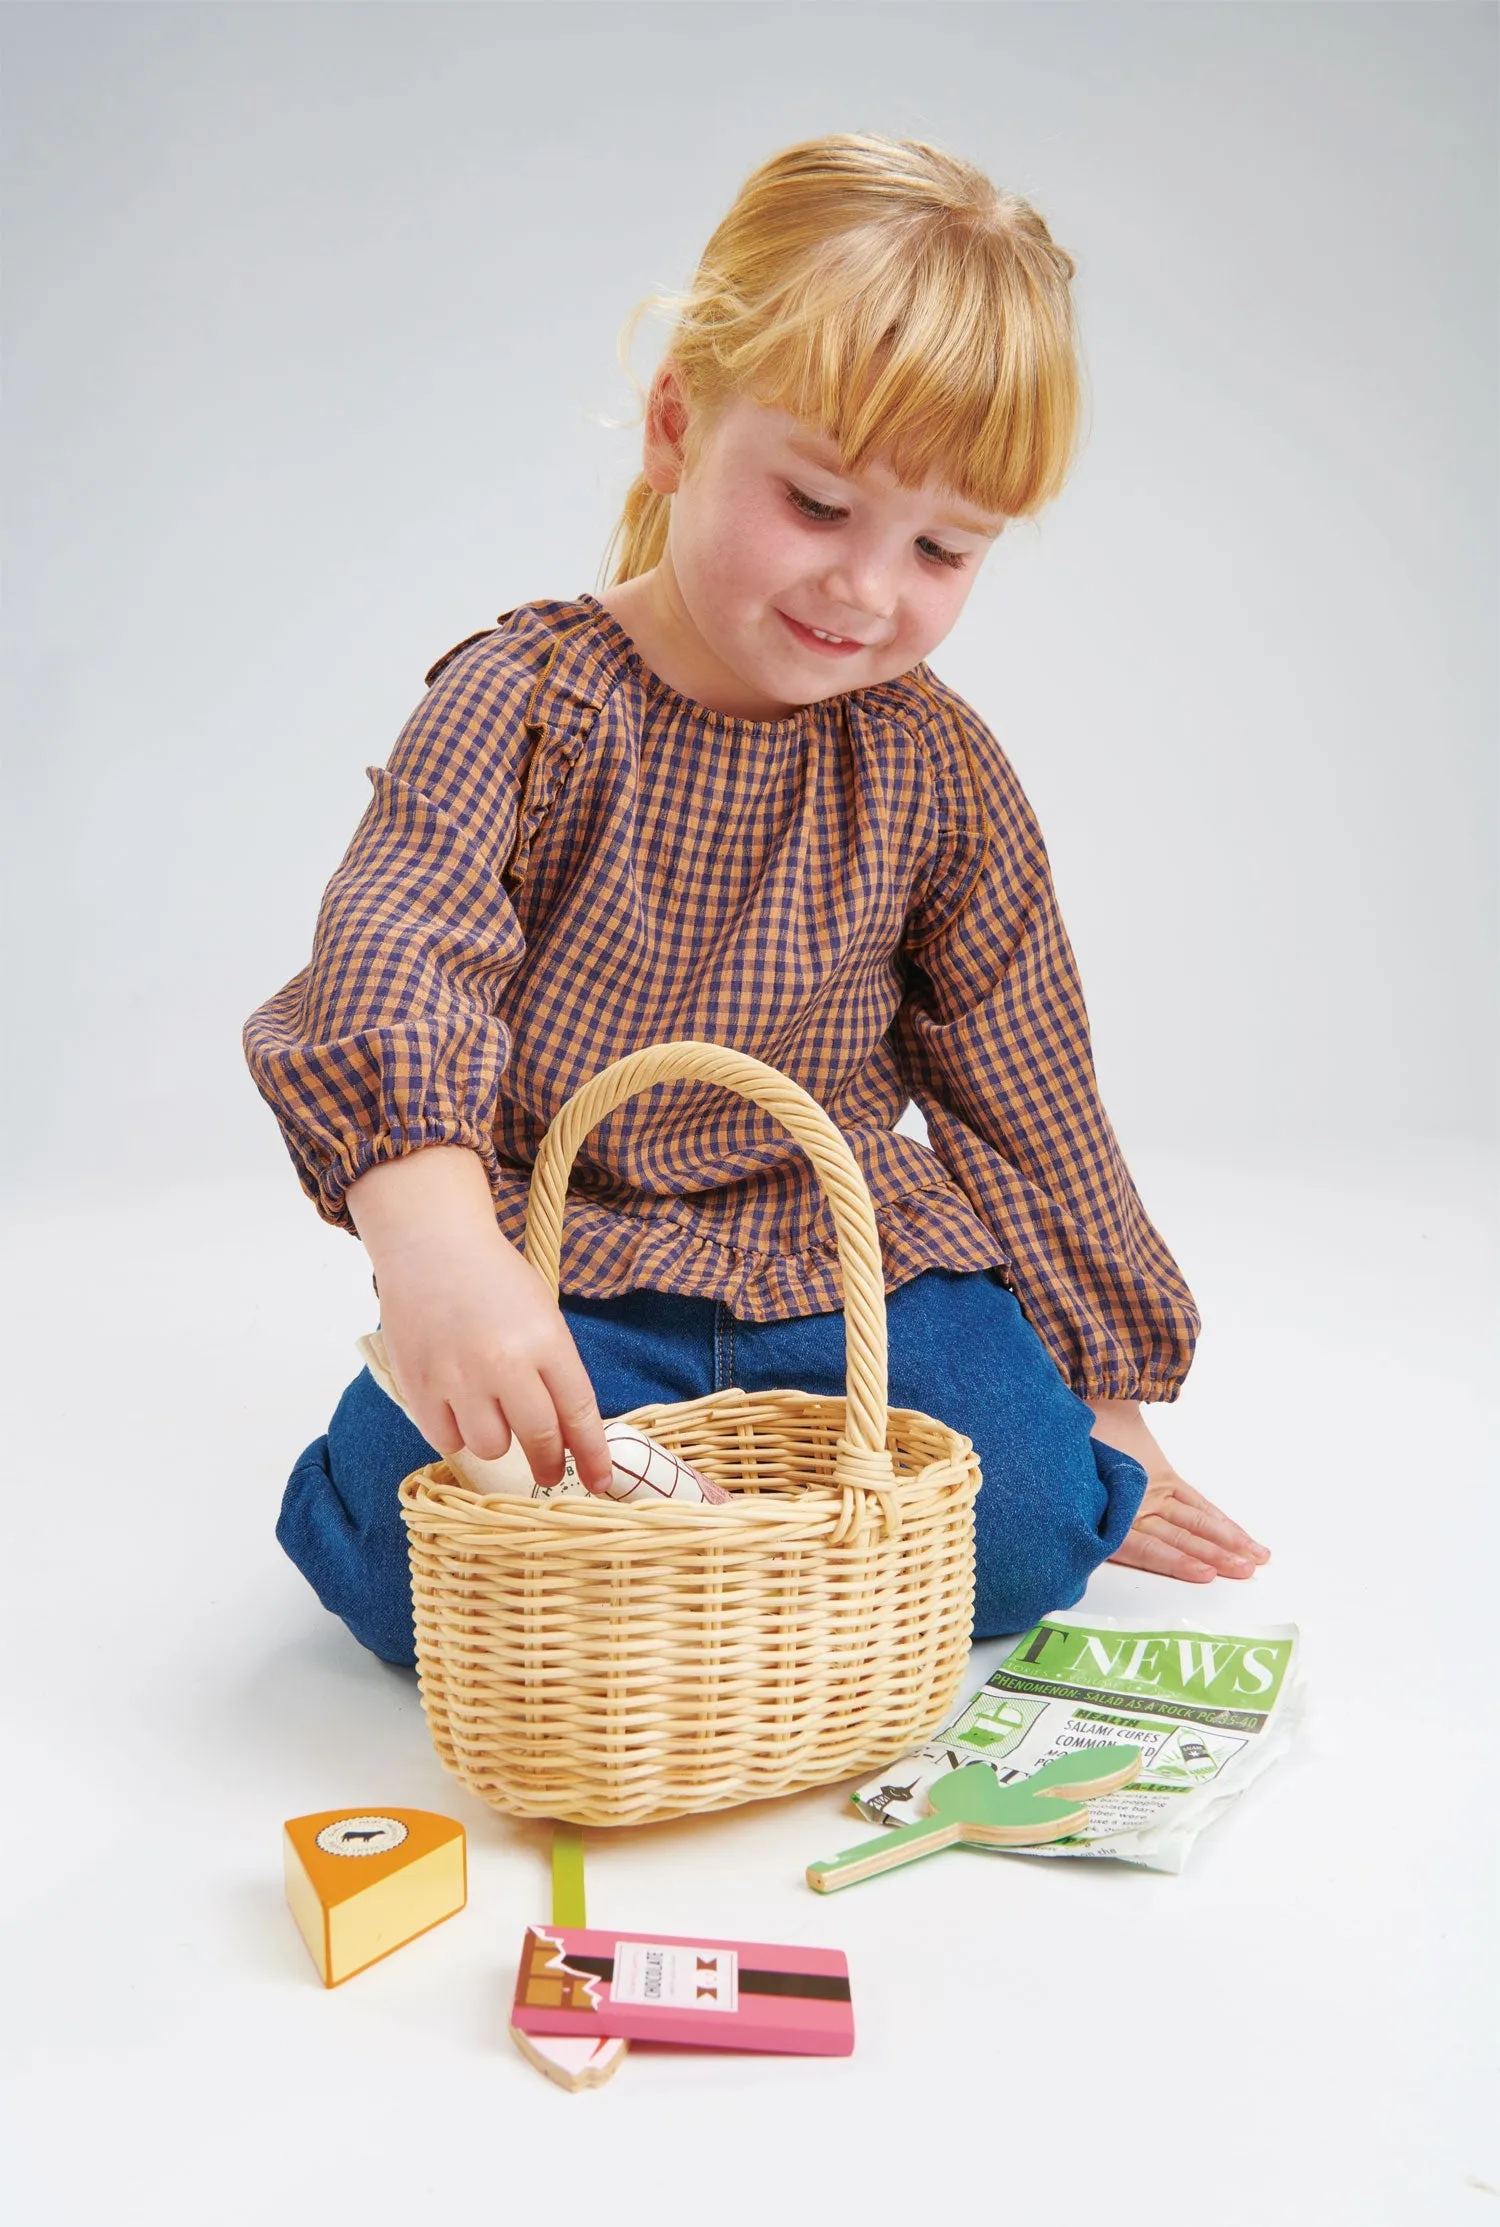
564	860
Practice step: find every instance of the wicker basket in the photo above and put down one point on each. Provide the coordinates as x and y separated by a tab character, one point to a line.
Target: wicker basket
613	1664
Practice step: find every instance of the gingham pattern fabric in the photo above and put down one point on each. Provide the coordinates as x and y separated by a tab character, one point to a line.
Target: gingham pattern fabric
564	860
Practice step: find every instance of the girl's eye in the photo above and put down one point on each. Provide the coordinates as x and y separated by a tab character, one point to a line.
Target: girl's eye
811	508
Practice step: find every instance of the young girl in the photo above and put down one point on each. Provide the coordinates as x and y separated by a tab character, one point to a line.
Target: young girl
729	799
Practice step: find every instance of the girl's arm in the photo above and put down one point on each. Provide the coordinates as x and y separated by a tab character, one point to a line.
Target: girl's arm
476	1341
382	1062
992	1037
391	1038
993	1042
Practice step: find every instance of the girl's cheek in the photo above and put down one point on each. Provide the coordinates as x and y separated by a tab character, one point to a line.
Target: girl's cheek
942	606
778	544
923	627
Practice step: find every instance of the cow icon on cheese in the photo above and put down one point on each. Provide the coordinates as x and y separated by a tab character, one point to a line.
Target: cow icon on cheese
361	1883
361	1836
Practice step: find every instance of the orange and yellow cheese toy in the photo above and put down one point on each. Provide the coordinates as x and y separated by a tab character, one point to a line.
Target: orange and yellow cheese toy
361	1883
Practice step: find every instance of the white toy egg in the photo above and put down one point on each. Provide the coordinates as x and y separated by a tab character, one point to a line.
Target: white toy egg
644	1470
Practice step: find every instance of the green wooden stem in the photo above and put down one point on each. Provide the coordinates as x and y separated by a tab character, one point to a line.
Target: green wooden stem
935	1832
569	1907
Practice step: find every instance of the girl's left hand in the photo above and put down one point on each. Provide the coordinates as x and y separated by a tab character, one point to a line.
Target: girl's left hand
1179	1533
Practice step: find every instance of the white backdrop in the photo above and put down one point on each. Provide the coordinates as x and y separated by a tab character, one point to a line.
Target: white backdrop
310	316
308	326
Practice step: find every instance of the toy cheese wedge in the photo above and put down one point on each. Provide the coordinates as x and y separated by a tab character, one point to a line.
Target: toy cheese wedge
361	1884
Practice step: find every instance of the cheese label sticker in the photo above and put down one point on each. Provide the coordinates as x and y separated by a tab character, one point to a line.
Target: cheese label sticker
362	1836
675	1978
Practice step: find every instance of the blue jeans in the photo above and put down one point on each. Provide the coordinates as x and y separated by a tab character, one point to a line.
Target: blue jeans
1054	1502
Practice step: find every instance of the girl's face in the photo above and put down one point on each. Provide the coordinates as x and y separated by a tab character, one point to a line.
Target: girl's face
768	541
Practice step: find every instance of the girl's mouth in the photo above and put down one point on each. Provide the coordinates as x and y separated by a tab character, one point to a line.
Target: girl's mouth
834	648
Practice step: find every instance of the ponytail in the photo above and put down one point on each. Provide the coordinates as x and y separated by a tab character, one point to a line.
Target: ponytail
641	534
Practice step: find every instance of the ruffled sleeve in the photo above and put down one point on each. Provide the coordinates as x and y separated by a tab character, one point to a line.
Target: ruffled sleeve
391	1038
993	1041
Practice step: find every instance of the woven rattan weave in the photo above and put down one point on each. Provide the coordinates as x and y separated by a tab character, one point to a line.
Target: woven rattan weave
615	1664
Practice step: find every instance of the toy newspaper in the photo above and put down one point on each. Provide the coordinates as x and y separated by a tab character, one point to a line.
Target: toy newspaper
1208	1710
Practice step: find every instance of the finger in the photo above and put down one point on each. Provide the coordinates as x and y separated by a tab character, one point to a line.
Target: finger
533	1421
582	1426
1209	1522
1233	1534
1224	1561
1140	1550
439	1426
487	1433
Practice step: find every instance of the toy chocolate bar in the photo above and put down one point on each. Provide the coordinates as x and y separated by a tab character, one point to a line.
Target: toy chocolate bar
706	1994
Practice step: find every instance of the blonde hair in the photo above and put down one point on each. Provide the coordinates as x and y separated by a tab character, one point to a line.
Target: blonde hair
890	295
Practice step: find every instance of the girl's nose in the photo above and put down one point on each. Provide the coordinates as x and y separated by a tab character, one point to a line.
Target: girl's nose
864	591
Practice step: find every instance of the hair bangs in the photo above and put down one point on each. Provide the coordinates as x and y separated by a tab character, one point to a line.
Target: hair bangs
943	364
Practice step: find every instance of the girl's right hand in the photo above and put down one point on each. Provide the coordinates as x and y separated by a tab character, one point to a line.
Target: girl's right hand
476	1341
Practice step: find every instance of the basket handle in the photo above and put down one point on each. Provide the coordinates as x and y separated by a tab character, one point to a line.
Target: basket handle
862	1459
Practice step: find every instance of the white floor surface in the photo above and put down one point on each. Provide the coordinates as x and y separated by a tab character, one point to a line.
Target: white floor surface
1300	2027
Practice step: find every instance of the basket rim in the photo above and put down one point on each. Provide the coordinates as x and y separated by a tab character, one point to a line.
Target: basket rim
811	1505
790	1504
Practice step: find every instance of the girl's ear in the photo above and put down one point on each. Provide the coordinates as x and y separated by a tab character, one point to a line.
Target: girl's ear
666	430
